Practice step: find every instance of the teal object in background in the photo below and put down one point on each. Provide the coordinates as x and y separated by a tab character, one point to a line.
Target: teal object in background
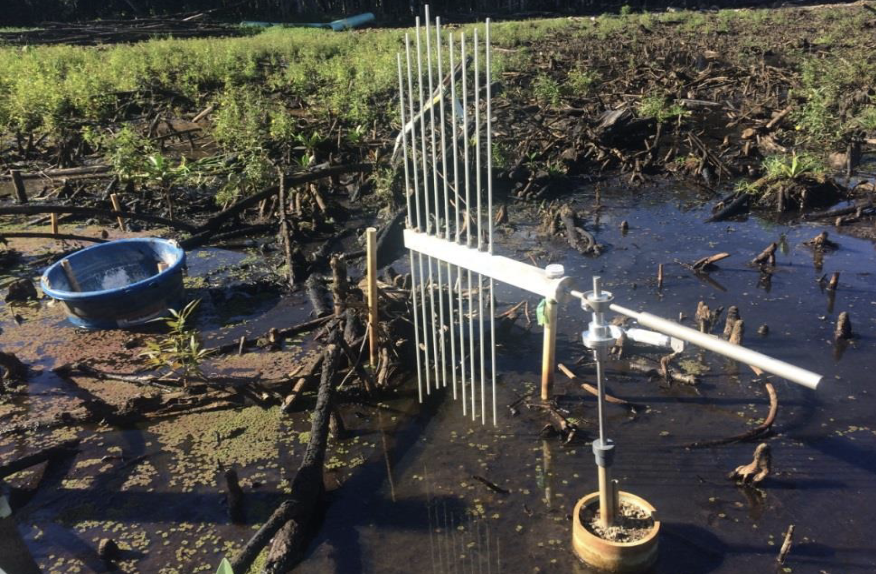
337	25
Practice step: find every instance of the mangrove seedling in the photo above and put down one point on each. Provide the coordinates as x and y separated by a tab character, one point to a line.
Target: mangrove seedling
180	352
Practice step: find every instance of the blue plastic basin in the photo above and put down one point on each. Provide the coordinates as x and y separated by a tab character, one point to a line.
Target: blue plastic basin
120	283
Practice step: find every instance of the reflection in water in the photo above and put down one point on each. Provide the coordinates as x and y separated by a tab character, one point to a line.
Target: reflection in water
548	472
461	543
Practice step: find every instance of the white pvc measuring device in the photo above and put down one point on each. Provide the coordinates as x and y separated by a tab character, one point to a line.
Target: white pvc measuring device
449	227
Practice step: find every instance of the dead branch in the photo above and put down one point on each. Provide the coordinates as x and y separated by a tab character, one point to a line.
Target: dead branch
289	520
754	433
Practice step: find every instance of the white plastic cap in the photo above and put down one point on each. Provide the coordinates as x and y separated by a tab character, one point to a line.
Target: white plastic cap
555	271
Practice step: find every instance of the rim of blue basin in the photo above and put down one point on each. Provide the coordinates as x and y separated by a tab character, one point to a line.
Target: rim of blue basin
127	289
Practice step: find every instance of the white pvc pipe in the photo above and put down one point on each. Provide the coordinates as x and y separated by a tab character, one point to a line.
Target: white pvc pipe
503	269
722	347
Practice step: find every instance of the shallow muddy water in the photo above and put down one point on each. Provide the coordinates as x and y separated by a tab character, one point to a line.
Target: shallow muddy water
418	509
402	497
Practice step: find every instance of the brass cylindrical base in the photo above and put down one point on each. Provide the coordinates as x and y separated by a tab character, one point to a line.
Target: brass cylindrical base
625	557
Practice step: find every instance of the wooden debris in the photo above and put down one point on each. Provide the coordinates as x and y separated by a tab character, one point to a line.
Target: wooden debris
660	276
708	263
108	550
732	317
234	497
757	431
758	469
843	327
786	545
767	256
287	526
821	242
491	485
834	281
736	336
706	318
316	292
578	238
593	390
340	285
21	289
739	205
18	185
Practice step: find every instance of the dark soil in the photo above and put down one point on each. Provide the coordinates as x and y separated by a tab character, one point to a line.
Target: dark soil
633	523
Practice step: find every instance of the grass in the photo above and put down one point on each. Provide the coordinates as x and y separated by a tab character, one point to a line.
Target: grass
792	166
349	80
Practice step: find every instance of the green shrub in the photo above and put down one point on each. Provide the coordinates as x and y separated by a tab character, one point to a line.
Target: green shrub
658	107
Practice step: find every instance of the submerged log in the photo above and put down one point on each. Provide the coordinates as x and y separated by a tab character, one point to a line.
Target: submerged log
735	207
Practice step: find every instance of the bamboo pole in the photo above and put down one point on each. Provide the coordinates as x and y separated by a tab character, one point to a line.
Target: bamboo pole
118	207
371	254
549	352
54	224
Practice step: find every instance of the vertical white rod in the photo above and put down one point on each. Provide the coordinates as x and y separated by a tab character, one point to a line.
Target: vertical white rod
417	205
408	224
436	204
479	187
455	150
467	166
444	176
489	81
427	212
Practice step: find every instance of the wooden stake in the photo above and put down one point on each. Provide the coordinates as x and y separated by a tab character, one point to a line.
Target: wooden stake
71	277
549	351
18	184
371	254
660	276
834	281
118	207
54	217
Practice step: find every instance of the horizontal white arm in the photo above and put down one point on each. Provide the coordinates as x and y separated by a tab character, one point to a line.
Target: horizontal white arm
722	347
527	277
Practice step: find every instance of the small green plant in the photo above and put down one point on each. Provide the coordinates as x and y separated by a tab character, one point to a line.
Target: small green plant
579	81
556	169
180	351
792	166
125	150
658	107
748	187
546	90
500	155
866	119
626	10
